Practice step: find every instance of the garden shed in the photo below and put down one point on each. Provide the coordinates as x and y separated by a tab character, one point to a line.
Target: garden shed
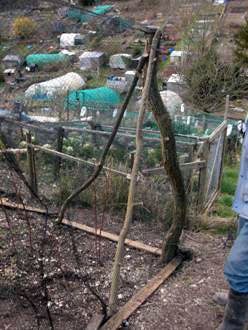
91	60
71	39
177	56
55	87
11	61
120	61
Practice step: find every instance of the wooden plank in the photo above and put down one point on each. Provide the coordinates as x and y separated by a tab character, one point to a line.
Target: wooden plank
160	170
141	296
5	202
218	131
210	202
95	322
113	237
14	151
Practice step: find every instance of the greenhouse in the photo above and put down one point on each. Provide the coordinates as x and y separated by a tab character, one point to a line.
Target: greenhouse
54	87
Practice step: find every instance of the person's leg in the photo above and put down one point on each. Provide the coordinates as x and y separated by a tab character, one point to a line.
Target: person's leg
236	273
236	265
221	297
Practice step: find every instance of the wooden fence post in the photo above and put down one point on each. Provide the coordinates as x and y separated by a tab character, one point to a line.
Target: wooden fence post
224	142
31	163
57	162
203	180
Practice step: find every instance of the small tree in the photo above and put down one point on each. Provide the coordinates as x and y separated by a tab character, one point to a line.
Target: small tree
208	79
23	26
241	42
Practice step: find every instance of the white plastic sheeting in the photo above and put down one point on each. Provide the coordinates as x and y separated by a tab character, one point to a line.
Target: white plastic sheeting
119	61
91	60
57	86
172	101
68	39
176	84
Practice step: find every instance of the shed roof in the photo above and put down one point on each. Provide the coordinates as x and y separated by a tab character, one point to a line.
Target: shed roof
12	58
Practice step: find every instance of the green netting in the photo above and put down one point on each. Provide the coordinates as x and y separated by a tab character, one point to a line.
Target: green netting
197	125
102	98
115	24
84	16
41	59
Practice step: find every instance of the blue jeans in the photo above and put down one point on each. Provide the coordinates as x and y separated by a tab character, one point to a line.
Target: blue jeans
236	265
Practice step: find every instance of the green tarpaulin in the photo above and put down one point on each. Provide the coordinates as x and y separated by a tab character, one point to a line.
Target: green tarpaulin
85	16
41	59
99	98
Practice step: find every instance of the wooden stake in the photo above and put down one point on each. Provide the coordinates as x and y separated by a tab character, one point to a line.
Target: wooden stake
119	253
31	163
203	179
57	162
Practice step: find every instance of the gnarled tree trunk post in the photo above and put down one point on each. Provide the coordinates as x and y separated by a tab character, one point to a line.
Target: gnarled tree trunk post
169	157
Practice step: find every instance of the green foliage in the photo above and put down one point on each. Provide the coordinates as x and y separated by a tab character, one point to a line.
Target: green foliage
229	180
64	189
241	43
208	80
1	75
223	205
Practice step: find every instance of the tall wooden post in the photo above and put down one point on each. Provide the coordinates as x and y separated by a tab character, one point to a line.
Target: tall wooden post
57	162
224	142
203	180
31	163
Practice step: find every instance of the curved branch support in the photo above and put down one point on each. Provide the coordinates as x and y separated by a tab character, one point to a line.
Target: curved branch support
169	156
98	169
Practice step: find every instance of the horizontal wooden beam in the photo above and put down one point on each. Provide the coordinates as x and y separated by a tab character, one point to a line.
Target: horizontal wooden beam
30	127
113	237
5	202
14	151
76	159
141	296
97	132
150	131
160	170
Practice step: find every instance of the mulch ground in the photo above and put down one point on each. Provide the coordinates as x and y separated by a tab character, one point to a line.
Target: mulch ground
184	301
